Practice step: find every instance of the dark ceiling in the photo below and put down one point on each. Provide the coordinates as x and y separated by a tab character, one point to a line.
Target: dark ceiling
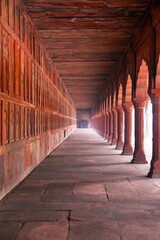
85	39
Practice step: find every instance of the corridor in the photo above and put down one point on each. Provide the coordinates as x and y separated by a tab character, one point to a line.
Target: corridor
84	190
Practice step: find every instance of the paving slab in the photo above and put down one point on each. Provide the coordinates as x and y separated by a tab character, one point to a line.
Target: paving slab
119	187
44	231
93	231
90	188
8	231
59	188
31	215
139	230
75	198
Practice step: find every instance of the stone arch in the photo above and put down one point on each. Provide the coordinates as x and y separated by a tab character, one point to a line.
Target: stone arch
142	80
109	101
120	95
128	95
114	99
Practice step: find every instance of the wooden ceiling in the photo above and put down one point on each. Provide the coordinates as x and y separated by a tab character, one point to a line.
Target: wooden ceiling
85	39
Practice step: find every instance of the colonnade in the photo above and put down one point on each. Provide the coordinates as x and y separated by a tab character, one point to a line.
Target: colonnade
119	114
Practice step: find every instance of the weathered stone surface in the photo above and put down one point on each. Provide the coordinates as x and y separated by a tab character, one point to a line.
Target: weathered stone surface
90	188
8	231
31	216
135	230
92	230
118	187
44	231
76	198
59	188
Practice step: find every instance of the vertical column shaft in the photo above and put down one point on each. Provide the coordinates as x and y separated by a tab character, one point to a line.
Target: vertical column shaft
127	148
110	126
114	138
107	125
155	162
139	154
120	128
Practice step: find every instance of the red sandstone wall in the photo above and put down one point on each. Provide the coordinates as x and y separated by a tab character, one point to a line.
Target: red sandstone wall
35	108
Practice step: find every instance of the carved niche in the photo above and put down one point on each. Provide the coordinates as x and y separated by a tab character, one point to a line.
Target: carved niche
5	63
5	122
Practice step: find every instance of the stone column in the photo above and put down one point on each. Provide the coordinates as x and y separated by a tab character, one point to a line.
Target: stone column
110	126
148	119
107	126
120	113
155	162
127	148
139	154
103	125
114	137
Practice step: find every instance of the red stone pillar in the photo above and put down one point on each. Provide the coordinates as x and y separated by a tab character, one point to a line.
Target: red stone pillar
107	126
139	154
155	162
110	126
103	125
114	137
127	148
120	113
101	129
148	119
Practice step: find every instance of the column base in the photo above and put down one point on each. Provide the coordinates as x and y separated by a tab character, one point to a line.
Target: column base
101	133
110	138
106	136
114	141
120	145
154	169
139	158
127	150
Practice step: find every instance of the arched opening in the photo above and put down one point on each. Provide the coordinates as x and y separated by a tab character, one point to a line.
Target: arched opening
120	95
142	81
128	97
142	93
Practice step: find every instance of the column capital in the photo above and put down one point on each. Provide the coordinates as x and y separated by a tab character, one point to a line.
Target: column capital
109	110
140	102
119	108
114	110
155	95
127	106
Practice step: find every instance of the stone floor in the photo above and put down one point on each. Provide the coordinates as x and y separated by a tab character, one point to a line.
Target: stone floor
85	190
